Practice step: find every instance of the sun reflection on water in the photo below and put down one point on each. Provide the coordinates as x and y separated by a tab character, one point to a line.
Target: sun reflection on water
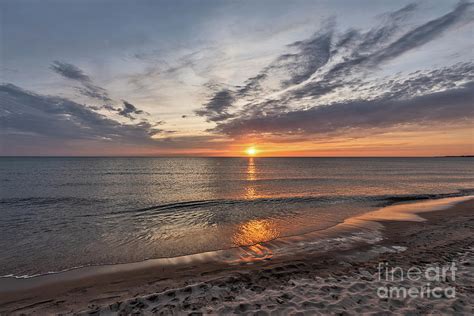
250	189
251	170
254	232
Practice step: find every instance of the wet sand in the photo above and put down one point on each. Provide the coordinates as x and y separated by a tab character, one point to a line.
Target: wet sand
339	280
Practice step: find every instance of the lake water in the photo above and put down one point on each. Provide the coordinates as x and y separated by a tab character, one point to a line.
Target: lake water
60	213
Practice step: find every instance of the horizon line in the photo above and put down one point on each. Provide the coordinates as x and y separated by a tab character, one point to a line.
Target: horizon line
242	156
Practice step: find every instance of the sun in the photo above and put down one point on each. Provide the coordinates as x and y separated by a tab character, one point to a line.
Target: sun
251	151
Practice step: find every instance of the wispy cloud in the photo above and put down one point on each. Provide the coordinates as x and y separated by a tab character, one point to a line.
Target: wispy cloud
25	112
323	84
429	109
93	91
88	88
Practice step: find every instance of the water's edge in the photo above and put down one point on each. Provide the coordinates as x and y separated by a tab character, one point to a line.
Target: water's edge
365	228
379	200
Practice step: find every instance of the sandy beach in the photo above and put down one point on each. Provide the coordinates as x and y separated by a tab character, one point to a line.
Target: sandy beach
344	281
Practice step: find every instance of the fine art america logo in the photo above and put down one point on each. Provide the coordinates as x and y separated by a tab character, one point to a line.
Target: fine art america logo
429	282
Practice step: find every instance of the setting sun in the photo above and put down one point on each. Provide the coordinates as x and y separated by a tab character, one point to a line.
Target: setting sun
251	151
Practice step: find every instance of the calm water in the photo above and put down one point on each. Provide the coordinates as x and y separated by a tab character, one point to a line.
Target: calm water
59	213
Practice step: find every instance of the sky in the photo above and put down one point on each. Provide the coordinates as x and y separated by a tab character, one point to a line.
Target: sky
213	78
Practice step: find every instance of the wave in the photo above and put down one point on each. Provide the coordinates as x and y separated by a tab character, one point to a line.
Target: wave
38	201
380	200
414	197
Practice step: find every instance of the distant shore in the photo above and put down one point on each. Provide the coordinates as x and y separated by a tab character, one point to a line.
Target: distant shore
331	282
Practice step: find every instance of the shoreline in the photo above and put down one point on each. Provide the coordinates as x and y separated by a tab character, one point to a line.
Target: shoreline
379	201
96	291
363	219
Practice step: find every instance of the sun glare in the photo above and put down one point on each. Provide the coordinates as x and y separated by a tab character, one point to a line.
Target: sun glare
251	151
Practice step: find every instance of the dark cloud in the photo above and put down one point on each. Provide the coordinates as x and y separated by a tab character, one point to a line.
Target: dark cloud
38	116
129	109
69	71
440	95
88	88
216	109
445	106
152	129
252	85
111	108
311	56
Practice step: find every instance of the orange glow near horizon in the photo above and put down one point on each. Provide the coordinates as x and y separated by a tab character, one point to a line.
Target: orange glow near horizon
447	141
391	143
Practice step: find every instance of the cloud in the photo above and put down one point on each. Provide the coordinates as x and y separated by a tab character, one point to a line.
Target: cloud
32	123
415	37
373	50
291	68
128	110
216	108
422	34
322	84
39	116
88	89
311	56
94	92
437	107
69	71
333	81
307	57
391	25
419	83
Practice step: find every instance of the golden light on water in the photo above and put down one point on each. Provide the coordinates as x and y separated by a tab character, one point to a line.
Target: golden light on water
254	232
251	170
251	185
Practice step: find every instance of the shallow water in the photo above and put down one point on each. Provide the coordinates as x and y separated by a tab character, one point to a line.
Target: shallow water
59	213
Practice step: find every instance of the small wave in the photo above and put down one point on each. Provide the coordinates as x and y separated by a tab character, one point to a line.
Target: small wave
38	201
415	197
380	200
